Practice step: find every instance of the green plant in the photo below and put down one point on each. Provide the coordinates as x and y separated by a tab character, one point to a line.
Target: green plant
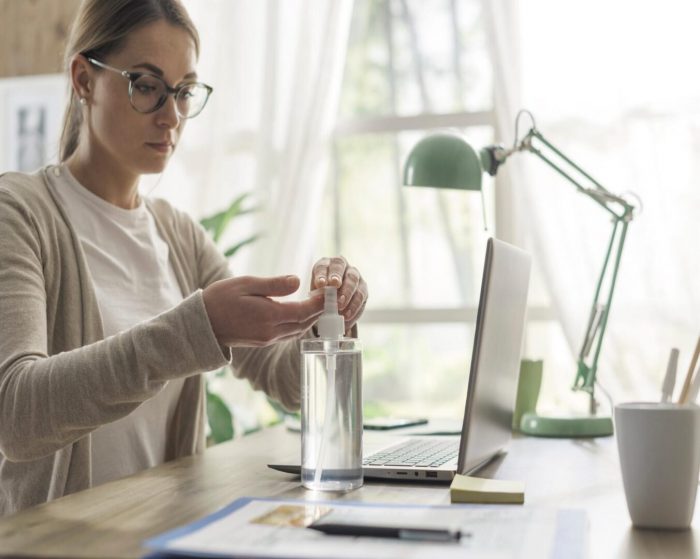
220	418
218	223
219	415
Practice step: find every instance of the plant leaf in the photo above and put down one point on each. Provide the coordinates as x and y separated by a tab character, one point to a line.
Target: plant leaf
217	223
222	220
212	222
220	418
235	248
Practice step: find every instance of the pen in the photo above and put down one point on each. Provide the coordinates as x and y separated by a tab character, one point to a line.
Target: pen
688	377
416	534
694	388
670	378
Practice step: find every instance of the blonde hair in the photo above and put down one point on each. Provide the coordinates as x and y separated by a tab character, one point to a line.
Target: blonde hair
99	29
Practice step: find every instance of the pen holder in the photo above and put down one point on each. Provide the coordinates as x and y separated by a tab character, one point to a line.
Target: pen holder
529	382
659	446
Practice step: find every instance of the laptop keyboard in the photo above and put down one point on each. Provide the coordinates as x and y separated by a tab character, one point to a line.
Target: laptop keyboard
416	453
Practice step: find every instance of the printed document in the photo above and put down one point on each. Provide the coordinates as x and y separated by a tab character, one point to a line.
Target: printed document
272	528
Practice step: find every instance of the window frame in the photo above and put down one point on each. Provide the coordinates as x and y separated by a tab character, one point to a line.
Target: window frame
433	122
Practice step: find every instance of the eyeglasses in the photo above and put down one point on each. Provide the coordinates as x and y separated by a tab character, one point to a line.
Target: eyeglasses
148	93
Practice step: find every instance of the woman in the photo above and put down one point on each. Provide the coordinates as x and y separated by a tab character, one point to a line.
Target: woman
111	304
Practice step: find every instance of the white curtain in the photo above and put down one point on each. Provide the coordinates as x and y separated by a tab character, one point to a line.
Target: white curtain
613	86
276	67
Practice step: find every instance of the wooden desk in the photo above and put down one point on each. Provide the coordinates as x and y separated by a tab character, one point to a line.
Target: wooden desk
112	520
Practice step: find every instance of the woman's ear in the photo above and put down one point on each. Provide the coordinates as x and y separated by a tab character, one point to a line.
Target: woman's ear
81	75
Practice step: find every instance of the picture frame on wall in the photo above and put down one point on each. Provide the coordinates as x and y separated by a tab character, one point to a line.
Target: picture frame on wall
31	120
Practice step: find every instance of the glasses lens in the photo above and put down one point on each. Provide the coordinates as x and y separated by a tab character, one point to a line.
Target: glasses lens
147	93
191	99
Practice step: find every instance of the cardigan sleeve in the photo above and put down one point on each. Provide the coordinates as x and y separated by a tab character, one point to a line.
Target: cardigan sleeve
49	401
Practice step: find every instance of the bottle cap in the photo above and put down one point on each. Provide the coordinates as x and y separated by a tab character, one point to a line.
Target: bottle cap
330	325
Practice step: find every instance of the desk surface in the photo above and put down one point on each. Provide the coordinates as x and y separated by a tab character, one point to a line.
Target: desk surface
112	520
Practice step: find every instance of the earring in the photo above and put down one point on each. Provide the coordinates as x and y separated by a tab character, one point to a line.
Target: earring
83	101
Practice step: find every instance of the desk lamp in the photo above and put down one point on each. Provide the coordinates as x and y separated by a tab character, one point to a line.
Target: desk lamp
447	161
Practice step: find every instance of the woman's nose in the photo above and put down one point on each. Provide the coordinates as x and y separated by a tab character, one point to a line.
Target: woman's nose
167	115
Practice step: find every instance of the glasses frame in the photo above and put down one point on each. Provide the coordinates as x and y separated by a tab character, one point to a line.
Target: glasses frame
174	91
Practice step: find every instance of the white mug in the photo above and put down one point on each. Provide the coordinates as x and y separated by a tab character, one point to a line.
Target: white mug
659	446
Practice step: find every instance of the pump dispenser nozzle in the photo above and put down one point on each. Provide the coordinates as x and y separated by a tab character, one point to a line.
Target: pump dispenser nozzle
331	324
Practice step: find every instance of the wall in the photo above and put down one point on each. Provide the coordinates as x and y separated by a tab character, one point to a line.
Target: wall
33	34
32	83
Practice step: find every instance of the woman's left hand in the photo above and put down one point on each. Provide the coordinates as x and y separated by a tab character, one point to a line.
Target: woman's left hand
352	288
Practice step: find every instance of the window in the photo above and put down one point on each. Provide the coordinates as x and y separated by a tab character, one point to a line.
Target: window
412	67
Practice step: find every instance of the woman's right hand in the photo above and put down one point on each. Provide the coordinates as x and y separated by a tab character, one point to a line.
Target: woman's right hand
241	312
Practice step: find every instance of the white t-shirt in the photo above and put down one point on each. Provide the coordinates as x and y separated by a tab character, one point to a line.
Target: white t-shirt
134	281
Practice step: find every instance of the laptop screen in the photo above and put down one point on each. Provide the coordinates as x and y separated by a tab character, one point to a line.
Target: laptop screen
495	364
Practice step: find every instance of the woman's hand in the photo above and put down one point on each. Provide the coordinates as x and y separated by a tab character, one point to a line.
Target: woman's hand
241	312
352	288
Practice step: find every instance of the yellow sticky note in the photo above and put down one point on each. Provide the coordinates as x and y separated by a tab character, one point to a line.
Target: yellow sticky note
467	489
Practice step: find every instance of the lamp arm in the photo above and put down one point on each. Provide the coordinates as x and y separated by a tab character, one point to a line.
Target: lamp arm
617	206
586	373
621	211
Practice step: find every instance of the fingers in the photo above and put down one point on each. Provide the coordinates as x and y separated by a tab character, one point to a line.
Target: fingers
319	274
300	312
336	271
277	286
329	272
352	292
349	324
277	321
351	282
294	312
356	306
293	330
242	313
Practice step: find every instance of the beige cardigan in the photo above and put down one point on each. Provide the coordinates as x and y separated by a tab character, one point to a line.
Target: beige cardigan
60	380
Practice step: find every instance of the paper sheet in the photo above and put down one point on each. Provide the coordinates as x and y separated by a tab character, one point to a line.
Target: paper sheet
245	529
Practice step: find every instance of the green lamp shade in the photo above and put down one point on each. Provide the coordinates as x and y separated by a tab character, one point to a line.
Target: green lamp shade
443	161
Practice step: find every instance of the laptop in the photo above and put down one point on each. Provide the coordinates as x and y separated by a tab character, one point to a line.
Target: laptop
493	379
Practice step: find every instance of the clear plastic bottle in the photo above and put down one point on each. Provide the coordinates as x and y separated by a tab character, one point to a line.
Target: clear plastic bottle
331	407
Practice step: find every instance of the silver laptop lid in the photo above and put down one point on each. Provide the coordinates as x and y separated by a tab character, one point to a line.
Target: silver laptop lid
495	364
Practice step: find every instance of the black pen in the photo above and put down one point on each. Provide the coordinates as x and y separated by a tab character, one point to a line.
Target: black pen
417	534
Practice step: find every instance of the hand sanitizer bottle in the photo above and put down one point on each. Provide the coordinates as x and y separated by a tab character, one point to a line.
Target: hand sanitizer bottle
331	405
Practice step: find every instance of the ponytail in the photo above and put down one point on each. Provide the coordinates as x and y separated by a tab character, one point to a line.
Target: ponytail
72	120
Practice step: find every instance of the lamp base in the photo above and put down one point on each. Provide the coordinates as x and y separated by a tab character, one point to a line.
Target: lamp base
566	427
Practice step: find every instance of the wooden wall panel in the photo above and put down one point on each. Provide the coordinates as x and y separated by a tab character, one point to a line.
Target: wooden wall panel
33	35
